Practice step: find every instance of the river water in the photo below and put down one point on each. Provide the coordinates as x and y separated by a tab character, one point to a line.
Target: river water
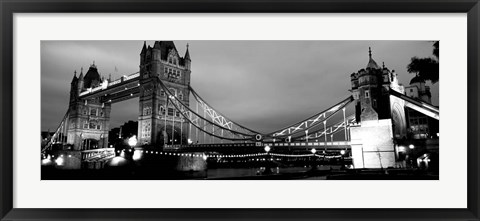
251	172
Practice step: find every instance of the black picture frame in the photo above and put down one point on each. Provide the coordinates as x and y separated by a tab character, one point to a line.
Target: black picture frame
9	7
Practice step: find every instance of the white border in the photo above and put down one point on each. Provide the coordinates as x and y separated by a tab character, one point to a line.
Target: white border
449	192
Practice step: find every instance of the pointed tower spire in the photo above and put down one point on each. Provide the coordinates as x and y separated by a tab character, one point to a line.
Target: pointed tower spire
371	63
187	54
74	79
81	74
144	49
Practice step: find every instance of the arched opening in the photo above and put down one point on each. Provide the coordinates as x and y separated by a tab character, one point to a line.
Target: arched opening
171	136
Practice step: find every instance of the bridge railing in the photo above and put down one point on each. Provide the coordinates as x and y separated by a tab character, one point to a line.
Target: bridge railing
97	153
333	143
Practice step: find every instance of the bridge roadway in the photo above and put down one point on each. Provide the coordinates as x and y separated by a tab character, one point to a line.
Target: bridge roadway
290	148
121	89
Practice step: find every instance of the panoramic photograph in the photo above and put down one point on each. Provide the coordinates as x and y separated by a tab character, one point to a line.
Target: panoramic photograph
239	110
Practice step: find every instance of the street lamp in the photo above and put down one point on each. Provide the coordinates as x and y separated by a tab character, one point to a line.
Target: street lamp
342	152
268	170
314	166
410	154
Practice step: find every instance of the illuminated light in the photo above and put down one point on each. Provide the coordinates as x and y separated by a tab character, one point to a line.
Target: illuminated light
313	150
138	84
131	94
111	146
267	148
424	155
428	160
61	155
116	161
189	141
69	155
132	141
46	161
204	157
59	161
411	146
438	134
401	148
342	152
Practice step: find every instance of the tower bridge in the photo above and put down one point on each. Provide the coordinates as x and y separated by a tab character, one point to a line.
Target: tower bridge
170	121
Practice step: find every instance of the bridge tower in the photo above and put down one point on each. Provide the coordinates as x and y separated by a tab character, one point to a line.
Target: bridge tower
88	119
381	116
158	122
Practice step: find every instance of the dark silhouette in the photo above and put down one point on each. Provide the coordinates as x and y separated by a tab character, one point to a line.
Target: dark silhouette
426	69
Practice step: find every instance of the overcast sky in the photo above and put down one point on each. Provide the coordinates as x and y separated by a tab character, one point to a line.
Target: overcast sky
263	85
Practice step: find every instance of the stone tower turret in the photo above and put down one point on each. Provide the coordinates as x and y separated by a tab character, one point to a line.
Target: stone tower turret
159	122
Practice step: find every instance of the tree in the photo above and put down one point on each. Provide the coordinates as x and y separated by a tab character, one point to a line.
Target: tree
426	68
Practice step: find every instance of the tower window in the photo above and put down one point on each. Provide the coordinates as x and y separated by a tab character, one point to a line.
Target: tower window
93	125
174	73
146	130
173	91
367	94
162	110
170	112
162	93
147	110
93	112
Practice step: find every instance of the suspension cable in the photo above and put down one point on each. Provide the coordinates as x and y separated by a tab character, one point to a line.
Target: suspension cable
338	107
200	117
50	142
201	100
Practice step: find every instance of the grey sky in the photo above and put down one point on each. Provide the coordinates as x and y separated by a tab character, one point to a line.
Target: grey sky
263	85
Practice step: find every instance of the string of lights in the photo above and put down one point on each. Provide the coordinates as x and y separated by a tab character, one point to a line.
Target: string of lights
224	155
